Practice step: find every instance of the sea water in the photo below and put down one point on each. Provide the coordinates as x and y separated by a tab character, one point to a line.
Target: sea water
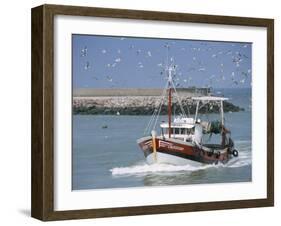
105	153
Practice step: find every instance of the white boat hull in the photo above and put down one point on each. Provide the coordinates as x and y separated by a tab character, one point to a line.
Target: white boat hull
162	158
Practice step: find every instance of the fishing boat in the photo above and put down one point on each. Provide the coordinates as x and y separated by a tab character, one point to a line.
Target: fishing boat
180	141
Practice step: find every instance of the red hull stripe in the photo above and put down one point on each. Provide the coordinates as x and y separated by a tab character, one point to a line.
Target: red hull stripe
183	151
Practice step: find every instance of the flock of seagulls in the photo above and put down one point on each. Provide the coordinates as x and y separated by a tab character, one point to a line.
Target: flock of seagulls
205	56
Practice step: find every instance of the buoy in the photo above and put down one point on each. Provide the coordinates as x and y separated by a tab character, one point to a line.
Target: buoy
153	134
235	153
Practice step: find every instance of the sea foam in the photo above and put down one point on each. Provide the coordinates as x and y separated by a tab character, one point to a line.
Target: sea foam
141	168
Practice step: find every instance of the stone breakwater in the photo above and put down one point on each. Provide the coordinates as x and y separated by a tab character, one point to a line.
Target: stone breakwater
140	105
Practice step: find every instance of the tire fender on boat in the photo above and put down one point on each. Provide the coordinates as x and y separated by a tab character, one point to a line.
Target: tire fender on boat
235	153
210	153
218	154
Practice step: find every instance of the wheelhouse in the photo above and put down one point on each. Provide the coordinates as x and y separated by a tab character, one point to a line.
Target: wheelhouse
181	128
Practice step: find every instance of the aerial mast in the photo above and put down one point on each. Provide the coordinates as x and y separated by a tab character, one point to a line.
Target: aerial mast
170	103
169	70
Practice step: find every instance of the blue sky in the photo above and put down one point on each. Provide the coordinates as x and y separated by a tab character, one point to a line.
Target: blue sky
125	62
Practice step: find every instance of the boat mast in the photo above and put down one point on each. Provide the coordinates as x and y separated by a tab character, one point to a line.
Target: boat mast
170	109
169	70
222	113
170	98
196	112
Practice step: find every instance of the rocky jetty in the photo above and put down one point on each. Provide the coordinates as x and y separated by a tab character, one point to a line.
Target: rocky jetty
139	105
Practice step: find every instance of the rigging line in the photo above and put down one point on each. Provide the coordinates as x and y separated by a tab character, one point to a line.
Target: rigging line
188	111
150	121
167	54
161	103
163	93
179	100
160	107
155	111
158	113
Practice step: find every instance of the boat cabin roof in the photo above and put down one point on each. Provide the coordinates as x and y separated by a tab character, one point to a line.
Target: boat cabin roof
209	98
177	125
179	122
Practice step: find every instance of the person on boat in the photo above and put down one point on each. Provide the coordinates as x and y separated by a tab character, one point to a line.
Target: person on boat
224	139
198	133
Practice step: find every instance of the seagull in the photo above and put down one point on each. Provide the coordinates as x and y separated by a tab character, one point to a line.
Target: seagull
87	65
117	60
236	59
118	51
109	78
167	45
245	74
149	53
140	65
103	51
229	52
84	51
235	82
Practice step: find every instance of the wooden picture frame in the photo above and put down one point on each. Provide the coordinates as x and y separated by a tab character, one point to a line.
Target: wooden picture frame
42	203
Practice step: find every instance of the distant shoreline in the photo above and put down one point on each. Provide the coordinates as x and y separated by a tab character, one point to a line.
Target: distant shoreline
139	102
